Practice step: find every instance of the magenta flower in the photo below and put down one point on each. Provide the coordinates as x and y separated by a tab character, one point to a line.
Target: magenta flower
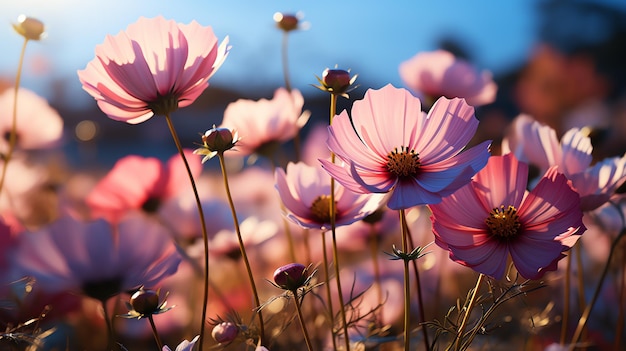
396	148
153	67
38	125
494	216
538	145
96	258
263	124
305	191
439	73
139	183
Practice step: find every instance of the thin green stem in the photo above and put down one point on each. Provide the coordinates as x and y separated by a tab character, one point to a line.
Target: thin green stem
307	339
242	248
331	314
205	237
155	333
468	312
13	134
582	322
407	284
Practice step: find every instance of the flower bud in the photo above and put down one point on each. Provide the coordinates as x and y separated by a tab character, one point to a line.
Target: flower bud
290	276
219	139
336	82
29	28
286	22
145	302
225	332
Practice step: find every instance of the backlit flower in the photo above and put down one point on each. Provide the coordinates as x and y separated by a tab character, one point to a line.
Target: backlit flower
305	191
38	124
153	67
139	183
538	145
30	28
95	258
184	346
264	124
494	216
440	73
396	148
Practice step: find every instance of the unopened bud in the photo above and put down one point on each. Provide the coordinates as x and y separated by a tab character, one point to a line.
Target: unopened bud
286	22
145	302
225	332
291	276
30	28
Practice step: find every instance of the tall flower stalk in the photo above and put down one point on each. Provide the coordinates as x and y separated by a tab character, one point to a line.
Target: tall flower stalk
205	238
215	142
30	29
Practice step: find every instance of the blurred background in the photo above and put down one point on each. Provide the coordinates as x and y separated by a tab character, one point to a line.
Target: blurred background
530	46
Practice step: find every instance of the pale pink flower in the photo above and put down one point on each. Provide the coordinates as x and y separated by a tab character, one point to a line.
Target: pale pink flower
494	216
538	145
254	232
439	73
38	125
96	258
264	124
305	191
140	183
396	148
184	346
153	67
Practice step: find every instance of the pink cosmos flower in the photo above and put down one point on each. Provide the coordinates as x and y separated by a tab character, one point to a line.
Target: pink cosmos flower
96	258
396	148
494	216
264	124
537	144
140	183
184	346
38	125
439	73
153	67
305	191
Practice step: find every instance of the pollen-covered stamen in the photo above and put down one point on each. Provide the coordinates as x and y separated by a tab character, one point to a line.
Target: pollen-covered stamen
320	209
503	222
403	163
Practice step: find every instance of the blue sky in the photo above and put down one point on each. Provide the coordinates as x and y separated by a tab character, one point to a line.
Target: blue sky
370	37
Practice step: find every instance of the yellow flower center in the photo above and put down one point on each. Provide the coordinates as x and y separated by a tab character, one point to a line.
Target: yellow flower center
320	208
503	223
403	163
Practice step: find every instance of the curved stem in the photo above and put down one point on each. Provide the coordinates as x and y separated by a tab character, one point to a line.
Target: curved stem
13	134
307	339
155	333
331	314
468	311
407	286
205	237
582	322
242	248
